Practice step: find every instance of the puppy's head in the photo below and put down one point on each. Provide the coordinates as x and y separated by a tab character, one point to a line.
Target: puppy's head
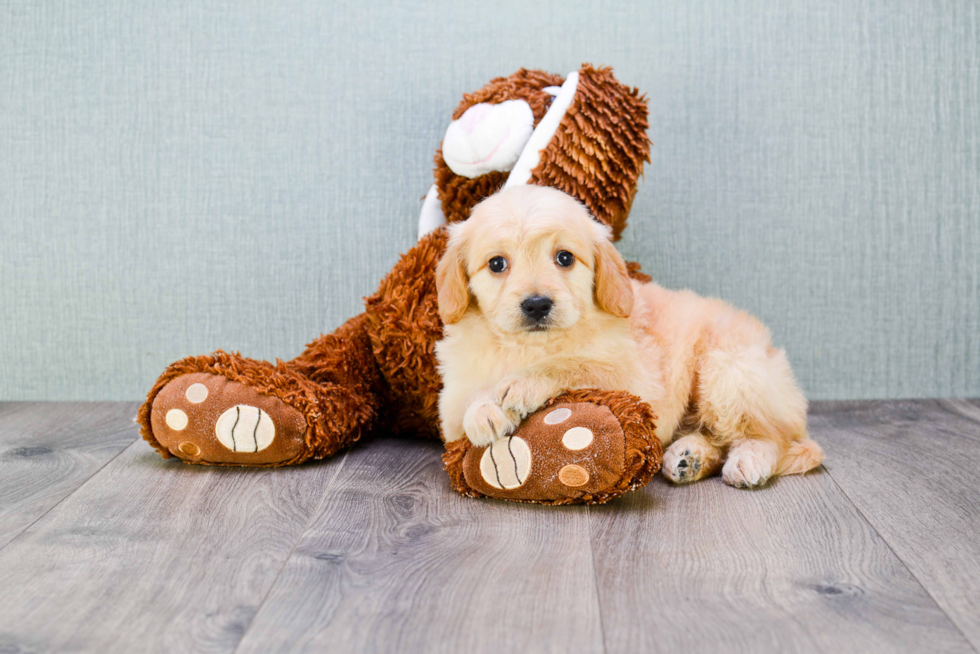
531	259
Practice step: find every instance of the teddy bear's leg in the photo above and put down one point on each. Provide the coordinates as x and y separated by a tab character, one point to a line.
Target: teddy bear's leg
584	447
229	410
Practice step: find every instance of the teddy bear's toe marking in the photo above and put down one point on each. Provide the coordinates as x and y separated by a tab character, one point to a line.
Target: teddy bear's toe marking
553	467
189	449
244	428
194	418
557	416
506	464
176	419
573	476
196	393
577	438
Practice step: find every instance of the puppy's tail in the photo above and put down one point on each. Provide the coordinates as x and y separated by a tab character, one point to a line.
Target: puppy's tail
802	456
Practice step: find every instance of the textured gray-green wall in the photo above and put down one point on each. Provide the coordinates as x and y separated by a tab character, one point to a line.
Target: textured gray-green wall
179	177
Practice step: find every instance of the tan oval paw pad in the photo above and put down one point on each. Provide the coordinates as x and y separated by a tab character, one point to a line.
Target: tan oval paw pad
574	476
190	449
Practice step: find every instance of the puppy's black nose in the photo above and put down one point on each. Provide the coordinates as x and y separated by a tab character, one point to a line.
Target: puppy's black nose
536	307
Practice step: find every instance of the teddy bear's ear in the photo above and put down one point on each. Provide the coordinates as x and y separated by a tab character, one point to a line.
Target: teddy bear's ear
452	282
604	132
613	288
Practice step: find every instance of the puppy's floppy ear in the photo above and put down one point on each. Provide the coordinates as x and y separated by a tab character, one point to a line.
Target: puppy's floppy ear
452	283
613	289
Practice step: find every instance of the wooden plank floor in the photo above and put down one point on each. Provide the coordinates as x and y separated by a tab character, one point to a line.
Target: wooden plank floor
105	547
913	468
46	452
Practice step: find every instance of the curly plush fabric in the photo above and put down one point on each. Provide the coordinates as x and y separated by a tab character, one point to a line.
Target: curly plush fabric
460	194
378	370
598	152
404	325
334	384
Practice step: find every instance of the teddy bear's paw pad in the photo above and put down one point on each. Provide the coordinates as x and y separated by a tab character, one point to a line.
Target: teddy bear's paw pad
506	463
205	418
567	450
244	428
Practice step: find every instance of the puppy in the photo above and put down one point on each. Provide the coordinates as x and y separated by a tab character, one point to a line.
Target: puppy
536	300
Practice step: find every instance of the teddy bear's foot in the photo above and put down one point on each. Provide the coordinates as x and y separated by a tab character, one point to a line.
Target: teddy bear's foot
207	418
584	447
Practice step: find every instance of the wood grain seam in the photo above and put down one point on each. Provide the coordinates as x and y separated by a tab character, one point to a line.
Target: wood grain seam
286	559
595	578
902	561
137	440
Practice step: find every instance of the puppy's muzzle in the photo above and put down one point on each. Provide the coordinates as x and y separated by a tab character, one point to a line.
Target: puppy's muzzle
536	308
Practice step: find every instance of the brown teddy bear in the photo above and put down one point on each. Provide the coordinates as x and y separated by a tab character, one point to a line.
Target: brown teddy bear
585	135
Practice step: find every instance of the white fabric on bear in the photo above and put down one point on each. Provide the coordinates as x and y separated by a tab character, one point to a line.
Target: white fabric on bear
487	138
431	216
497	137
531	156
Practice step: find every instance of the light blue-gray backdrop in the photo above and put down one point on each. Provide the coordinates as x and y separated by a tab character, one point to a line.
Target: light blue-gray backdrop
177	177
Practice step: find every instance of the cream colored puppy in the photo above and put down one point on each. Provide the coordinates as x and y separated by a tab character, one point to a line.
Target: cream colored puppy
536	300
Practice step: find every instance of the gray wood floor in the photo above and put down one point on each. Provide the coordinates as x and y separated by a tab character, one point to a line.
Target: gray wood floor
104	547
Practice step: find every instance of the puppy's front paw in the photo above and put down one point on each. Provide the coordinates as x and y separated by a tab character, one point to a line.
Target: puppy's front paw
749	466
484	422
521	395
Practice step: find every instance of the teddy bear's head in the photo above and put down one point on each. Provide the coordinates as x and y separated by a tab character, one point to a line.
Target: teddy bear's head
584	134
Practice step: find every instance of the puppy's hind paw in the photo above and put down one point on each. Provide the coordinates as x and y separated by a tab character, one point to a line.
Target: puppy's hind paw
681	465
690	458
749	465
485	422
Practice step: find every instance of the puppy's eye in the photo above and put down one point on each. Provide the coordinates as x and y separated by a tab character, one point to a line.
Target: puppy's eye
564	258
497	265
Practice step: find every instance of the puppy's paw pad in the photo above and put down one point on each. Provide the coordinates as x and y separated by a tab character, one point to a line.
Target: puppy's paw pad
485	422
747	469
681	465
